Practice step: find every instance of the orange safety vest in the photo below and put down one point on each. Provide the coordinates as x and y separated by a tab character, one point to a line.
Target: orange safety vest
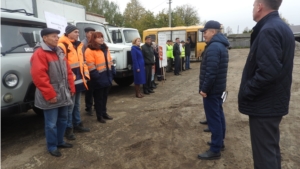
75	59
96	60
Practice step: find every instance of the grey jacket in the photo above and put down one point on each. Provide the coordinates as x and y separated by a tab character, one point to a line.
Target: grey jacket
51	77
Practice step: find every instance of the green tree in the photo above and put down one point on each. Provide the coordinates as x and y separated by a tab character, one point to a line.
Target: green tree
162	18
185	15
133	13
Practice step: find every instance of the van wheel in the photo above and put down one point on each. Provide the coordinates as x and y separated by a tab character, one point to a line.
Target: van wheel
38	111
127	81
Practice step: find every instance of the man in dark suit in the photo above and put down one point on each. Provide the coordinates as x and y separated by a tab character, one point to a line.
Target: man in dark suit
176	53
266	82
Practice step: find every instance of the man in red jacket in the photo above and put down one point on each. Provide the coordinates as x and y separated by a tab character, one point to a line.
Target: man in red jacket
54	83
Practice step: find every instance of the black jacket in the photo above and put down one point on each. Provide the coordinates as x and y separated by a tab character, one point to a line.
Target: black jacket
187	49
267	77
176	50
214	65
148	54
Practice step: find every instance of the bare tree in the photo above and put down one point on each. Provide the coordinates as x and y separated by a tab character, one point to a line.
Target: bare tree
229	30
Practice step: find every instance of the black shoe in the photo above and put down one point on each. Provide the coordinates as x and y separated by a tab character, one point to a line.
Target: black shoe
206	130
80	128
69	134
101	120
55	153
222	147
107	117
209	155
203	122
89	112
151	91
146	92
66	145
183	69
155	84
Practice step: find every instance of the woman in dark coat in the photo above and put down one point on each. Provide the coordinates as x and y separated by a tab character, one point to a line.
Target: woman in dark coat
138	66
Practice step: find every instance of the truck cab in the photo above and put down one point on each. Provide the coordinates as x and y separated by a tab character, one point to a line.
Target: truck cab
123	36
121	54
19	35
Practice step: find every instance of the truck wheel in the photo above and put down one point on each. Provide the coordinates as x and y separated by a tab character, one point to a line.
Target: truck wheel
127	81
38	111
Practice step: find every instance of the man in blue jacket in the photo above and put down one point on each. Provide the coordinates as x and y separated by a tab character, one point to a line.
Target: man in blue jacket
266	82
213	75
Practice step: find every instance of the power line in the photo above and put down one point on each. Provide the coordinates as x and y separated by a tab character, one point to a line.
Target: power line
158	5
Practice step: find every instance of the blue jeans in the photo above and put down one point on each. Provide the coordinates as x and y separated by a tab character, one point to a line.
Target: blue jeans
216	120
74	111
55	126
187	62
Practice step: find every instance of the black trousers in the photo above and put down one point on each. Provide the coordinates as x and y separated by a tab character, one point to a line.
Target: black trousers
177	65
148	71
265	136
100	99
182	63
170	65
89	96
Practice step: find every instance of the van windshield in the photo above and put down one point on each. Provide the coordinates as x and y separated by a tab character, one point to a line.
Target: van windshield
19	38
98	28
130	35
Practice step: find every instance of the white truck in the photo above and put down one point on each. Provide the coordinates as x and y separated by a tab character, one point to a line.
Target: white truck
123	35
20	31
76	15
19	34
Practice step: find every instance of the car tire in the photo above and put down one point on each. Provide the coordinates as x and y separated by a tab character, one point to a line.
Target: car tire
127	81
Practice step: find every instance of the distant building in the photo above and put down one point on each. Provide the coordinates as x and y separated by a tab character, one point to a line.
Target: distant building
239	40
95	18
296	31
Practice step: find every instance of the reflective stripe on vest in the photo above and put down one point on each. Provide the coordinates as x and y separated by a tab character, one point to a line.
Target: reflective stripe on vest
74	65
78	81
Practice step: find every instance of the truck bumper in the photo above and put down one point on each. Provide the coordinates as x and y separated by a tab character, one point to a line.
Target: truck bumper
15	108
123	73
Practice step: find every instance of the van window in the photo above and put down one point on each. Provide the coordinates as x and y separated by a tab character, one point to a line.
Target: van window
19	38
153	37
200	36
98	28
116	36
129	35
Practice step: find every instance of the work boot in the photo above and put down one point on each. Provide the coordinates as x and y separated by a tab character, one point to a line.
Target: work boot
101	120
89	112
80	128
69	134
152	86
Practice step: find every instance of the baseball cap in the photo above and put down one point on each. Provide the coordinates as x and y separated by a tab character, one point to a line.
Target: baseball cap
211	25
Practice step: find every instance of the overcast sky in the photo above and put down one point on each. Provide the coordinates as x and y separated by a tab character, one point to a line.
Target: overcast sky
233	13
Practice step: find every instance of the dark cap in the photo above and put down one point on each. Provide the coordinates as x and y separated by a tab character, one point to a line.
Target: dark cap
211	25
182	41
87	29
47	31
70	28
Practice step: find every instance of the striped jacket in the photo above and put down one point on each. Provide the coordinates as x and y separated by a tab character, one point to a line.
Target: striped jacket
100	66
74	56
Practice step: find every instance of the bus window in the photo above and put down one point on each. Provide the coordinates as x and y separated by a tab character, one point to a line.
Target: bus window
153	37
178	34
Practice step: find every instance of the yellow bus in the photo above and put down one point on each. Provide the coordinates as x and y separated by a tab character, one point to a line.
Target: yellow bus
183	33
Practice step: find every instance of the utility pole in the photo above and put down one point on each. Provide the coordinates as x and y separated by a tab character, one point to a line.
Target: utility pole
170	17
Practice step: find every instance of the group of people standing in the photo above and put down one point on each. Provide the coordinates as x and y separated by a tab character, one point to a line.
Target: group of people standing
146	60
179	53
61	69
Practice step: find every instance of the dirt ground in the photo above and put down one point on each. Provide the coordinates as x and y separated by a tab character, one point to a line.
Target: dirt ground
160	131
